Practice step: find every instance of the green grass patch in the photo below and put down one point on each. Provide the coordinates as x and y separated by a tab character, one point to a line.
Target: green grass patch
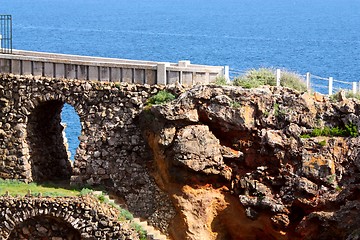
15	187
160	98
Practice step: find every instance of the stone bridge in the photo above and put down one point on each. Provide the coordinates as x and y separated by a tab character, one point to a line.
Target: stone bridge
112	151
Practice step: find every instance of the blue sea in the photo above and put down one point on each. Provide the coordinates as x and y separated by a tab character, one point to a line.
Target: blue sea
317	36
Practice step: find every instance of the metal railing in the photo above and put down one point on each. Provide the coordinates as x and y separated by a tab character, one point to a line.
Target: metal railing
5	34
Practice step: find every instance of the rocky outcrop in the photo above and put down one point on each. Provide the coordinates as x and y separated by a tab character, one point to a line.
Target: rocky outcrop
236	166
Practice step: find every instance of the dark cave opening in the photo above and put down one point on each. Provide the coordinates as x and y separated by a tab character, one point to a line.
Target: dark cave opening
49	157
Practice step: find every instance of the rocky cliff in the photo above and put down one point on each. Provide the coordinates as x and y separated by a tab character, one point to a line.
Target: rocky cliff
242	164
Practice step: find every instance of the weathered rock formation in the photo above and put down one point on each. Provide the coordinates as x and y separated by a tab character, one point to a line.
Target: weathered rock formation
236	167
216	163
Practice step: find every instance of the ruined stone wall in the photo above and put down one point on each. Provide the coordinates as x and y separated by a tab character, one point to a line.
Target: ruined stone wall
59	218
112	151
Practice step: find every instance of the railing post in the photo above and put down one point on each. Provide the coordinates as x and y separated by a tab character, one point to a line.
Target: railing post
0	42
354	87
359	86
331	80
161	73
278	76
308	79
227	73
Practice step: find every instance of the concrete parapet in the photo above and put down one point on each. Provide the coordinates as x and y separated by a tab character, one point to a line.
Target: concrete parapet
107	69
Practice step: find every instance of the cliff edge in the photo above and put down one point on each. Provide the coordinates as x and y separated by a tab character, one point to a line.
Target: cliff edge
265	163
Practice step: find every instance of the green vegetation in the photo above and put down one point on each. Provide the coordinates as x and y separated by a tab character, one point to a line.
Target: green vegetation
235	104
85	191
125	215
350	130
15	187
322	143
256	77
267	76
221	81
338	188
292	80
305	136
160	98
348	94
140	230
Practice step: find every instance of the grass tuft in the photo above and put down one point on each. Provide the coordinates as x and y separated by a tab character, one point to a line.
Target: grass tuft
266	76
160	98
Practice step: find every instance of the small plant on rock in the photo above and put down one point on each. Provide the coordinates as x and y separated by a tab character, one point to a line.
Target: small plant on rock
322	143
161	97
235	104
85	191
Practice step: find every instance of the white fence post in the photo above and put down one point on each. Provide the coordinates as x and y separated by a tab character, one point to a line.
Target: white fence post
331	80
358	86
0	41
308	79
354	87
278	76
227	73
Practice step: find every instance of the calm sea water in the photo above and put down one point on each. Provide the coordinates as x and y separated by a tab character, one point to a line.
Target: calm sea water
322	37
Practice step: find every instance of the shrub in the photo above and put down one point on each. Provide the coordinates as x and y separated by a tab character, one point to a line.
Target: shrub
266	76
125	215
85	191
221	81
292	80
350	130
350	94
160	98
142	233
256	77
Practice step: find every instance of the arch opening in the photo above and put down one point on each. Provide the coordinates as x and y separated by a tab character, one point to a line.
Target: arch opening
71	121
49	157
44	227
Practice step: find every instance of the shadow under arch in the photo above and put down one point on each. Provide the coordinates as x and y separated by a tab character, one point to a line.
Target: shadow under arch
44	227
48	152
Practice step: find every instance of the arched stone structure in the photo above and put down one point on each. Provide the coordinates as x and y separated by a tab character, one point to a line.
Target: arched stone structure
80	218
44	226
111	153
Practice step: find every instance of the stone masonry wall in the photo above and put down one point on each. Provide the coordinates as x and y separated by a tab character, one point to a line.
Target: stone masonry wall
59	218
112	151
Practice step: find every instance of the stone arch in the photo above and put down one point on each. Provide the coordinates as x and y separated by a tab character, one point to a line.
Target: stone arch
82	217
40	227
48	156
